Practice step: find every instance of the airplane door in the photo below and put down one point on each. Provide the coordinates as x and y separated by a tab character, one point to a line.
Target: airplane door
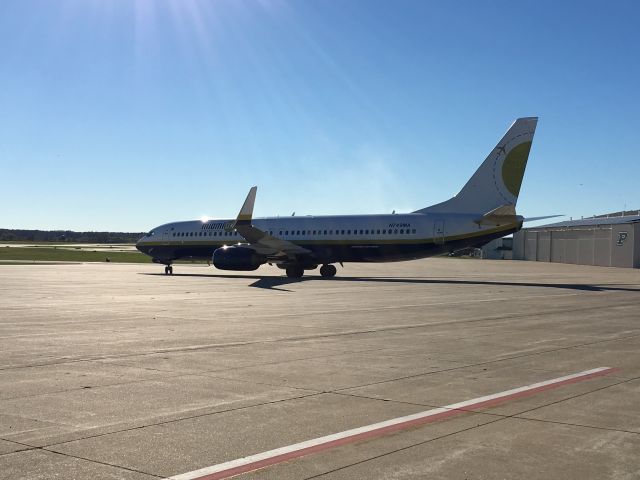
438	232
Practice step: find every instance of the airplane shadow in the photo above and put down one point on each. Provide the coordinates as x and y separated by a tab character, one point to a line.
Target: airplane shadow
273	283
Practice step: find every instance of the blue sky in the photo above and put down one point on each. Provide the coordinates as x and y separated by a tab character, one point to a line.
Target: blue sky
122	115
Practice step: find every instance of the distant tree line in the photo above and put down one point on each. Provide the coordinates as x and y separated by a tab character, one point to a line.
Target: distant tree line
10	235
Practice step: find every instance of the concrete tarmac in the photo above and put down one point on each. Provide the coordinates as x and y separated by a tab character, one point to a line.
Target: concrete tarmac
112	371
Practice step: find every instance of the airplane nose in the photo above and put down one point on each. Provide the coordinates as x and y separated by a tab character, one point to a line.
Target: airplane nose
140	243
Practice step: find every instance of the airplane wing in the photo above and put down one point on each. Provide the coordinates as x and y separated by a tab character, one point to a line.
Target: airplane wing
273	247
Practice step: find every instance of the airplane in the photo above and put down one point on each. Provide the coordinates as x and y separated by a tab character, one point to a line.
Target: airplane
482	211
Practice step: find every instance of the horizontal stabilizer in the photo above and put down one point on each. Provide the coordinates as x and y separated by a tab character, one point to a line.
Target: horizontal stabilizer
503	215
533	219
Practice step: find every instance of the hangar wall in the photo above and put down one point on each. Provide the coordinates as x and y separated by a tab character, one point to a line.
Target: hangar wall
608	243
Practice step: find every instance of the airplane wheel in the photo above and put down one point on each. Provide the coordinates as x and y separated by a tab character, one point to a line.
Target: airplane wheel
328	271
170	270
166	270
295	271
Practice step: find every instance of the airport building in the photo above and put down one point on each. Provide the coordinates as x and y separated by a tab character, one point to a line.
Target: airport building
611	240
498	249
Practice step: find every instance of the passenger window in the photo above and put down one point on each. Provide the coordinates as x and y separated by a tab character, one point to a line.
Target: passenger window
325	232
287	232
349	232
280	233
366	232
401	231
378	232
395	231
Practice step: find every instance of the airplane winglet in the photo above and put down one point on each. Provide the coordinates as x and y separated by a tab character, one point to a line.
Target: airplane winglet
246	212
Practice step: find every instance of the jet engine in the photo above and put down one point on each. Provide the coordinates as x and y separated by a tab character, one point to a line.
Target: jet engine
237	258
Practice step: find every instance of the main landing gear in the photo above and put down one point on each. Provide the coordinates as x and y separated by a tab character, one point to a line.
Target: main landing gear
168	270
328	271
296	271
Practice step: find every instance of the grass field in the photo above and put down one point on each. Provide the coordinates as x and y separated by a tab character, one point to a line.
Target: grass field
44	254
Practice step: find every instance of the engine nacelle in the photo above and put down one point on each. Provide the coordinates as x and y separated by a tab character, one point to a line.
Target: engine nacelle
237	258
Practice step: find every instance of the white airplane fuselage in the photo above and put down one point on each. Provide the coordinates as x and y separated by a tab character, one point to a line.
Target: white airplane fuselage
483	210
347	238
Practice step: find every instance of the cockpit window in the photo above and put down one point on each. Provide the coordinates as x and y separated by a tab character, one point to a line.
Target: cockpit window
151	233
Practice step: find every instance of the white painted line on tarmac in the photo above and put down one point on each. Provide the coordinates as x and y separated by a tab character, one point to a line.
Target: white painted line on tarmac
283	454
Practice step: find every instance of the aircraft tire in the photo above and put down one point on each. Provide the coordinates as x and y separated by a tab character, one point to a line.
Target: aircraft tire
295	271
328	271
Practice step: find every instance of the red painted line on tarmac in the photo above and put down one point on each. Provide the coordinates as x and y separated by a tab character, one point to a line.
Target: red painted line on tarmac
283	454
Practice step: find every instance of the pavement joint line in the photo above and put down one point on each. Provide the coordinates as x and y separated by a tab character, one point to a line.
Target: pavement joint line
96	387
336	353
318	336
175	420
499	419
204	373
336	311
272	457
489	362
274	385
146	380
112	465
30	448
375	457
516	416
26	449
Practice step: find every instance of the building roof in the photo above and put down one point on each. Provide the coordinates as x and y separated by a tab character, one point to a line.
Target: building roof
592	221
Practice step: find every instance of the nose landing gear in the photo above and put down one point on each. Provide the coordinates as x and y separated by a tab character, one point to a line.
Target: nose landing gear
168	270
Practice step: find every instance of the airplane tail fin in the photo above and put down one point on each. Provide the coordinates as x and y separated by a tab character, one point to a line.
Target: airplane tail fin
497	182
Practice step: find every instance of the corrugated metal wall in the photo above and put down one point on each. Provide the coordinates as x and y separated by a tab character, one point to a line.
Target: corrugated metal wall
615	245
